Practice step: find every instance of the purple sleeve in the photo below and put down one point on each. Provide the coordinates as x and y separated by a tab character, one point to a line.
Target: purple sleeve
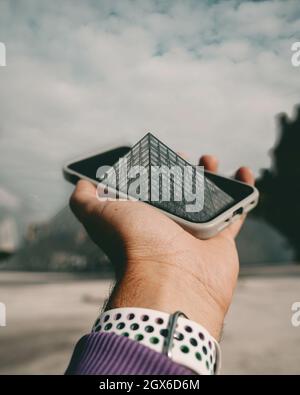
108	353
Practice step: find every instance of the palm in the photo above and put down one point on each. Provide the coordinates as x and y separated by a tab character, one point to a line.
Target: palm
149	236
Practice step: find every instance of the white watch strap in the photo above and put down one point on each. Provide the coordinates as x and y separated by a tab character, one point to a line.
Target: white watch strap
191	344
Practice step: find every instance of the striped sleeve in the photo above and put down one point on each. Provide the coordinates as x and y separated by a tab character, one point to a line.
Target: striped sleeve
111	354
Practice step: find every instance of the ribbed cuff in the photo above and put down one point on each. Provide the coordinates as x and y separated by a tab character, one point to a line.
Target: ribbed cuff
108	353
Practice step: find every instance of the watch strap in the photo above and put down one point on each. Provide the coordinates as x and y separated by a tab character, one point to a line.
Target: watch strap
182	340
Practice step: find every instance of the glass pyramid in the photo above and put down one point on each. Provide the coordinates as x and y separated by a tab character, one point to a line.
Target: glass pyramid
157	158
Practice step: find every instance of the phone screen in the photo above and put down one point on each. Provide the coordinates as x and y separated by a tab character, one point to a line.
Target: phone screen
220	193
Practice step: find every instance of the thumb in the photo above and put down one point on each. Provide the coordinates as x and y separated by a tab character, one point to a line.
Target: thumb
100	219
83	199
92	210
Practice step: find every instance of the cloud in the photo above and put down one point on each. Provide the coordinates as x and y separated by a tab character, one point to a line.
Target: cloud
204	76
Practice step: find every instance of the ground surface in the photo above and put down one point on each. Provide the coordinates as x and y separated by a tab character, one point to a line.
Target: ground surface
47	313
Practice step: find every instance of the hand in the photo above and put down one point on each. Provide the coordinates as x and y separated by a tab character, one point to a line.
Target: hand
158	264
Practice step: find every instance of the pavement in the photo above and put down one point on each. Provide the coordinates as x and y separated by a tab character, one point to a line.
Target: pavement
48	312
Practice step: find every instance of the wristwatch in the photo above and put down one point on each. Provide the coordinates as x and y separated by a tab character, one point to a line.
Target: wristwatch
182	340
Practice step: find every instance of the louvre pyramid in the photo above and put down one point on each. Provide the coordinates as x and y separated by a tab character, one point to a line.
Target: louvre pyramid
151	153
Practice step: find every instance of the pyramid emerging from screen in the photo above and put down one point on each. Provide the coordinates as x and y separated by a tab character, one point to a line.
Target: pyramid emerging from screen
156	157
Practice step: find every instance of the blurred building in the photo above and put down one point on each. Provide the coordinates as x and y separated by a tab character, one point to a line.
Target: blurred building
8	237
279	186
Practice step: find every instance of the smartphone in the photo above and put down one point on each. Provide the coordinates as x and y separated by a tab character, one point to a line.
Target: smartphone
224	199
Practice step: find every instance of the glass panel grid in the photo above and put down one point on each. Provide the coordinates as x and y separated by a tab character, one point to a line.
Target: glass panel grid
148	152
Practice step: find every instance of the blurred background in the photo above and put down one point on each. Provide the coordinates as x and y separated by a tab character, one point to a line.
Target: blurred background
204	76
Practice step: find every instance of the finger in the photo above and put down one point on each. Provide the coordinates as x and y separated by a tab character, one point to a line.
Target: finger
209	162
245	174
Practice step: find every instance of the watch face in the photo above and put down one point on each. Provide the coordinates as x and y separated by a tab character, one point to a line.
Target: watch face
167	181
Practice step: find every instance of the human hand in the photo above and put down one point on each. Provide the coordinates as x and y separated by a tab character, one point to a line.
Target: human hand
158	264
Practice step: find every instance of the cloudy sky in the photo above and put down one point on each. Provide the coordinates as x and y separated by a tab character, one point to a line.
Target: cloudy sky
204	76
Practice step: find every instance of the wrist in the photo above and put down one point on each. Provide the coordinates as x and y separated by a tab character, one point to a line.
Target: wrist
158	288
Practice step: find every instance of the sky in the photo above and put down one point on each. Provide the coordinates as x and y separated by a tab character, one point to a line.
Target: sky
204	76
